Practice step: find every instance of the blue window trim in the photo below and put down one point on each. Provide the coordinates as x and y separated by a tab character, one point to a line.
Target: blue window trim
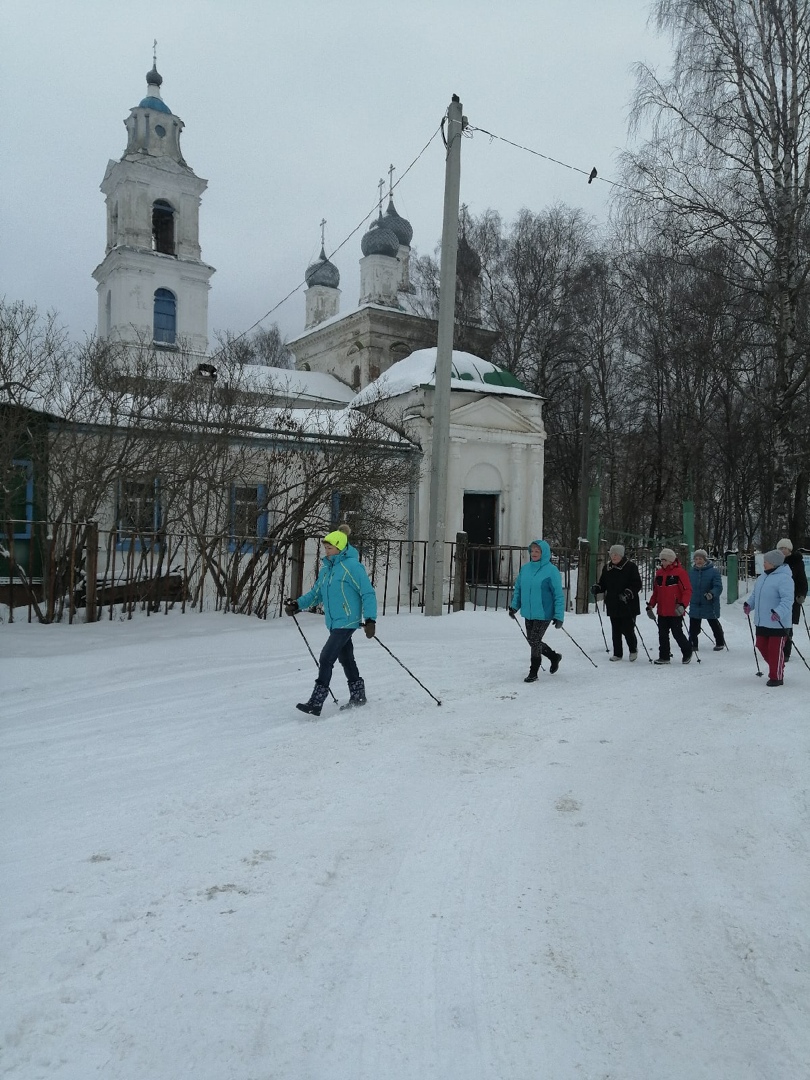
248	546
124	537
27	465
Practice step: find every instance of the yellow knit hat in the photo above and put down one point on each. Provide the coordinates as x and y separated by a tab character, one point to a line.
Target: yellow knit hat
339	538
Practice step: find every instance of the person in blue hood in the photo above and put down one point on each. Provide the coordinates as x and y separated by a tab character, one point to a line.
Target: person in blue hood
348	598
538	596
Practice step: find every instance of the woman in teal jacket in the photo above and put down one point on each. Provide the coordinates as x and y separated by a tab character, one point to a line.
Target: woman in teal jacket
348	597
538	596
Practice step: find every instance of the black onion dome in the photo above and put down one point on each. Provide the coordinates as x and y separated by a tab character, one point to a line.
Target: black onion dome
153	78
468	261
398	225
322	272
380	240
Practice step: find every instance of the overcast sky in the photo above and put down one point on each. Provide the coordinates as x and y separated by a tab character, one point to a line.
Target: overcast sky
293	110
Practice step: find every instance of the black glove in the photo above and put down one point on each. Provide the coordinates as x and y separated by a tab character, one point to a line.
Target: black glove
650	613
512	612
680	610
558	624
800	599
626	596
291	606
595	589
709	595
370	628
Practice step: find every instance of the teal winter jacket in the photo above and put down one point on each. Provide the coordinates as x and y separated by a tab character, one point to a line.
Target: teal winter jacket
344	590
538	589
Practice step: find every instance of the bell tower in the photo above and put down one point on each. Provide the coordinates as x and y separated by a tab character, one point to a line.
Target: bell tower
152	283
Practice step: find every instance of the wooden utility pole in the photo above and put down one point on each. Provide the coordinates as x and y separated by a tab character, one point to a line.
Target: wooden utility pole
444	361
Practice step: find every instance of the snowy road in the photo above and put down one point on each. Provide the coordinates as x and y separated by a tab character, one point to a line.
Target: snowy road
603	875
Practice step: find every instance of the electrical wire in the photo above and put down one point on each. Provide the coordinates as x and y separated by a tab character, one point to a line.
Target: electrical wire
342	244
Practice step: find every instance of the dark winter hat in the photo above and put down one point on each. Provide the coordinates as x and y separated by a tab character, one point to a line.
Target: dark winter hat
784	543
773	558
702	552
617	549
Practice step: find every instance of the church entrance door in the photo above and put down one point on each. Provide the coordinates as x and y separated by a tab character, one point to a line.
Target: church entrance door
480	521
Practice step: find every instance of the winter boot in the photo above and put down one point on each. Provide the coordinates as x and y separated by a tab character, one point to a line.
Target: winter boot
534	667
316	700
615	659
555	663
661	660
719	647
687	657
357	695
633	656
774	682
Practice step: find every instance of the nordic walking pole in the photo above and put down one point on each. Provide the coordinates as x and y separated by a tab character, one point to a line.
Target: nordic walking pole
686	635
753	645
520	628
641	639
794	642
601	625
579	647
312	654
407	669
807	628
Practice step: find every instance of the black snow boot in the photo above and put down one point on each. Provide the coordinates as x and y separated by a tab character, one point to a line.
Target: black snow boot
316	700
534	667
357	695
555	663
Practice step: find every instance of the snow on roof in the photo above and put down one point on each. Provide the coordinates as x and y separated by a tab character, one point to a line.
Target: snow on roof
347	314
316	385
469	372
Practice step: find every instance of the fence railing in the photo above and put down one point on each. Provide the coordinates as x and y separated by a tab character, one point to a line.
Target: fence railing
55	570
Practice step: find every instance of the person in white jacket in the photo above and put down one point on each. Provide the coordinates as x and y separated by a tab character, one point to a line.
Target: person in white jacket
771	603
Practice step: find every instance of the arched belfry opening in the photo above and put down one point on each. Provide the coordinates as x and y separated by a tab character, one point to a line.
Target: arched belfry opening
163	227
165	317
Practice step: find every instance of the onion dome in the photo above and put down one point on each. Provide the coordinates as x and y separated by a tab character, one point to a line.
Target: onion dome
380	240
153	100
322	272
398	225
468	261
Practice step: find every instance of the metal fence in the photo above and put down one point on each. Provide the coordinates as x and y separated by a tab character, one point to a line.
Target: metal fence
54	571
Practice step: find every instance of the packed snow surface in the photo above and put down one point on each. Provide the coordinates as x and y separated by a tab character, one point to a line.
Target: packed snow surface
599	876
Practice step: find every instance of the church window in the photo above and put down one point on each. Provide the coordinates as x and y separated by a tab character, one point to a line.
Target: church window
356	377
165	318
108	314
163	227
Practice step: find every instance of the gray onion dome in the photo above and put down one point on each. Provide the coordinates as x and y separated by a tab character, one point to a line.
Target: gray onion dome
322	272
398	225
468	261
380	240
153	78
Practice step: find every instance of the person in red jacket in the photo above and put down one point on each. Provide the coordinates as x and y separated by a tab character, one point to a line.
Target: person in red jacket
671	593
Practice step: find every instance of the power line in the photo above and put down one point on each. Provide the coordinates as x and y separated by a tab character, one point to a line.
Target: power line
343	242
590	173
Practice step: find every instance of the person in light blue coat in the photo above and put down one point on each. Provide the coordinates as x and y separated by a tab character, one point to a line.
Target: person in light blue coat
772	602
348	598
538	596
707	587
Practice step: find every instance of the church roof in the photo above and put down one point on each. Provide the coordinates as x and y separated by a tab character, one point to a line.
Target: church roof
469	372
156	104
322	272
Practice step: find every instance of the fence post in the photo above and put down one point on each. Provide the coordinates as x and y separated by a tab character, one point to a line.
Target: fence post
91	570
583	576
460	584
733	577
297	566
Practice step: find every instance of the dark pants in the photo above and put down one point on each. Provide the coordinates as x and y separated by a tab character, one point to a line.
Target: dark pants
623	626
535	628
671	624
694	631
338	647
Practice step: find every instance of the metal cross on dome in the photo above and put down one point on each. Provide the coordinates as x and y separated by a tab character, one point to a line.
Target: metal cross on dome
390	181
323	226
381	185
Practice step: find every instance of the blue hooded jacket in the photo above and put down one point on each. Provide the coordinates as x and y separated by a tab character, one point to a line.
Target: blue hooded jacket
345	591
538	588
705	579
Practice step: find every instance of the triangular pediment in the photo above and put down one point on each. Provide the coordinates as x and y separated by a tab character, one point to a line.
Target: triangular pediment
495	413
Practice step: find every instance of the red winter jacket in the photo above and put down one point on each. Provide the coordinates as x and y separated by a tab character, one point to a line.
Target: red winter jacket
672	586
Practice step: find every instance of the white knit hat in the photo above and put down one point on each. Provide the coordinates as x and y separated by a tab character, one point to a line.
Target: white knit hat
784	542
616	549
668	554
702	552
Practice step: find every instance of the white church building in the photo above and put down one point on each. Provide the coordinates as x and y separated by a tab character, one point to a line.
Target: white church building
153	287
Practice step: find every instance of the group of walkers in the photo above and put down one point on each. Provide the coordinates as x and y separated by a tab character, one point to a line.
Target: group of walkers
348	599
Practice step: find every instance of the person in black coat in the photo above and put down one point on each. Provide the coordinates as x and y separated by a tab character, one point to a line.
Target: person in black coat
796	564
620	582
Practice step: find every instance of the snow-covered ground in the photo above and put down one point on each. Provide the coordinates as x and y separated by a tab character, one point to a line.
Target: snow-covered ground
600	876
